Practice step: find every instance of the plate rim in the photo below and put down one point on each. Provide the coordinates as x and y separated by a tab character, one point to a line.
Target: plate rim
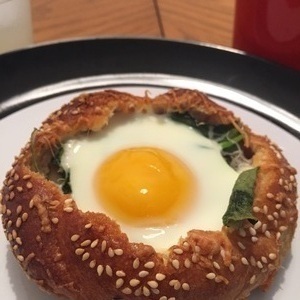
219	64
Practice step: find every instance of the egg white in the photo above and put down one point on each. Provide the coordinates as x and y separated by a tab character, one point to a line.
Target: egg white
215	178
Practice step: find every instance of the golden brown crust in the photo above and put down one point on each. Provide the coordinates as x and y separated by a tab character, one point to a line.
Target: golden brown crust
86	256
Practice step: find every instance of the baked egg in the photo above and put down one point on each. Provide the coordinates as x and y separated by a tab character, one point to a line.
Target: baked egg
156	177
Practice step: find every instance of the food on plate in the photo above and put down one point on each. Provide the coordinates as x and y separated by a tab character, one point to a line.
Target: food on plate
118	196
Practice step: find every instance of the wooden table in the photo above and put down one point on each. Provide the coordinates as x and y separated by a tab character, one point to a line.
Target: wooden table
208	21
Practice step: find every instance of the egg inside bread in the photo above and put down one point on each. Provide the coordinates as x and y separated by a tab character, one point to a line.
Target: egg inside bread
117	196
156	177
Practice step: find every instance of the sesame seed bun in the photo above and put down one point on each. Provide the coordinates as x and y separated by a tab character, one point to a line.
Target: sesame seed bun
86	256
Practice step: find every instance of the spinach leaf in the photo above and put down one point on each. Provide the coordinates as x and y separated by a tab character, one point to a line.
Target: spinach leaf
241	199
227	136
64	176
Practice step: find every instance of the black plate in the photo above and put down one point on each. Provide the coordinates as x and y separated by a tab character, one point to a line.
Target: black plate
31	68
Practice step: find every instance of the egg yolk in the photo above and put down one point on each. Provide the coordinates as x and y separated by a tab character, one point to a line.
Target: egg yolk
144	186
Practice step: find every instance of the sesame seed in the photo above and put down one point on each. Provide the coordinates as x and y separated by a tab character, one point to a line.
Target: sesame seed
282	228
270	195
252	231
143	273
278	235
108	270
85	243
54	220
252	279
264	228
127	291
79	251
88	226
19	188
14	234
254	239
155	291
136	263
24	216
92	264
138	291
241	245
175	264
9	223
259	264
11	195
178	251
75	237
163	298
185	286
119	282
187	263
68	201
146	291
186	245
265	209
197	249
18	222
120	273
118	252
173	282
18	240
85	256
264	259
9	236
252	261
257	225
68	209
270	217
20	258
134	282
231	267
222	253
271	267
244	261
153	284
111	252
194	258
283	214
211	276
19	209
216	265
29	185
268	234
149	265
275	214
94	243
160	276
256	209
103	245
272	256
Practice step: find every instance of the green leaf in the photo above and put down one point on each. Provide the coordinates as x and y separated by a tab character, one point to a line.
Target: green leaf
241	199
227	136
63	175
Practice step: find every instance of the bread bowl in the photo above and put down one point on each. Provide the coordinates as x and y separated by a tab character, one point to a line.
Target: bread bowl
84	255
